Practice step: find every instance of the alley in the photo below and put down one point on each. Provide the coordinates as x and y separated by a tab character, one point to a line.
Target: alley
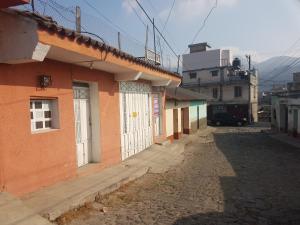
233	176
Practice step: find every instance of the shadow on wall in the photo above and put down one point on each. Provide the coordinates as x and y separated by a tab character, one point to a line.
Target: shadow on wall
266	187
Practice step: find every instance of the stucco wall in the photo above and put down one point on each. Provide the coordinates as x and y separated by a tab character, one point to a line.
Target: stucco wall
228	93
30	161
197	111
294	105
204	59
205	76
169	122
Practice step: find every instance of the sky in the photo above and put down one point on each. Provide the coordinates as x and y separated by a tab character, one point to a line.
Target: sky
262	28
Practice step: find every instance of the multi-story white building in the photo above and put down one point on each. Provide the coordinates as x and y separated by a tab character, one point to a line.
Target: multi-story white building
226	86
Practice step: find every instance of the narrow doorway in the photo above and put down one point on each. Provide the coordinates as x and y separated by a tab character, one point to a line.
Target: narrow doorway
83	132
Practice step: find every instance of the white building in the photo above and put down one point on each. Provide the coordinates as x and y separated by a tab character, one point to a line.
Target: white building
285	111
227	87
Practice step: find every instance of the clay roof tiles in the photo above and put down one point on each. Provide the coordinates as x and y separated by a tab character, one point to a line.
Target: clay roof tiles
51	26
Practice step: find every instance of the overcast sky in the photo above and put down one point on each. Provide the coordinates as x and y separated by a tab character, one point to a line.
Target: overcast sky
263	28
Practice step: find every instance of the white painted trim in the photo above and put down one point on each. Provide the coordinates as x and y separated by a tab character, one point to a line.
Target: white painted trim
128	76
95	120
40	52
161	83
174	84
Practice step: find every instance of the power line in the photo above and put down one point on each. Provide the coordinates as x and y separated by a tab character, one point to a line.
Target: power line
155	11
204	22
118	28
285	60
290	67
136	13
155	27
170	11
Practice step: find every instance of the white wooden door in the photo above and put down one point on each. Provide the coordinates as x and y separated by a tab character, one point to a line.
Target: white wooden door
82	124
136	121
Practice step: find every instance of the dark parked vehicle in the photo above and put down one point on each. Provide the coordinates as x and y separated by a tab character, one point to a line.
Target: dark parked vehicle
227	119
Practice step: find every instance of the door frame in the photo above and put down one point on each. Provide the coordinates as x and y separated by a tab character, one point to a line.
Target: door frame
95	151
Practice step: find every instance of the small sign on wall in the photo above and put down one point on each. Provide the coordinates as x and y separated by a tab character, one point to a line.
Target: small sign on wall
134	114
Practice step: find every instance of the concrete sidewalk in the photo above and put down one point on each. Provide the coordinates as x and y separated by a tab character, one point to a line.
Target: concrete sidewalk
14	212
52	202
283	137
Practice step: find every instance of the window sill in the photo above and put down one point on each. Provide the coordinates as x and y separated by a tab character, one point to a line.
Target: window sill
44	131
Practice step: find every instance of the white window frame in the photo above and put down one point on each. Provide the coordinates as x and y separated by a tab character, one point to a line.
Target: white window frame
47	105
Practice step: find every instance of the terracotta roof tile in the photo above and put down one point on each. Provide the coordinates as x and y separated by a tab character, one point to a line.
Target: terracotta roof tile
50	25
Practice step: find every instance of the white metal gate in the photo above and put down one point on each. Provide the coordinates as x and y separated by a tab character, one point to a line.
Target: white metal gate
136	119
82	124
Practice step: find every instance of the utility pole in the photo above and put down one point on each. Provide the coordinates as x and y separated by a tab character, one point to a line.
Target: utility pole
249	98
32	5
146	43
78	19
119	40
154	41
161	52
249	61
178	59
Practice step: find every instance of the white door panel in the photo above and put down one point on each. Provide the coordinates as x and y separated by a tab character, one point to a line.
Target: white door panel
82	125
135	111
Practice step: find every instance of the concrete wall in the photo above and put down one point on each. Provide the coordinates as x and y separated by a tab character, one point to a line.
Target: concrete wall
197	110
173	109
203	76
294	107
228	93
169	122
200	60
278	113
33	160
26	47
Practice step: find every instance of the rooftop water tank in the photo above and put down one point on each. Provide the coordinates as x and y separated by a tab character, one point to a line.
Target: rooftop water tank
236	64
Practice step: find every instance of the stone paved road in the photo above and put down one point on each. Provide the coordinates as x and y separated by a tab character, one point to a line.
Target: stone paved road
234	176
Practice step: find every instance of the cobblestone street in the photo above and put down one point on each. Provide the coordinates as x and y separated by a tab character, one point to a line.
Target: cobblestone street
233	176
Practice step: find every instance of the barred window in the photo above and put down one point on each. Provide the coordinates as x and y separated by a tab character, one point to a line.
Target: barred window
41	114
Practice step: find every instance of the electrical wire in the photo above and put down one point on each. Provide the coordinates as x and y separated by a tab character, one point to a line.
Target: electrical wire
155	27
203	24
285	60
290	67
116	27
136	13
170	11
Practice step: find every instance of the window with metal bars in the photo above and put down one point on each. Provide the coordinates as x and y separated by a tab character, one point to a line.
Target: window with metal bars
42	114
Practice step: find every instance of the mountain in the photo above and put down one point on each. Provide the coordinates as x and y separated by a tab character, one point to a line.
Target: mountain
278	69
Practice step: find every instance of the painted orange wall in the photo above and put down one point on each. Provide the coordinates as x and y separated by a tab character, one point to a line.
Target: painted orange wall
30	161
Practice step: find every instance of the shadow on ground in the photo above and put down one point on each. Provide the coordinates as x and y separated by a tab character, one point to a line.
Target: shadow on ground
265	188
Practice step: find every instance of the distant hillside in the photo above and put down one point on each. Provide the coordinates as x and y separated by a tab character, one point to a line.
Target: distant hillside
277	66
